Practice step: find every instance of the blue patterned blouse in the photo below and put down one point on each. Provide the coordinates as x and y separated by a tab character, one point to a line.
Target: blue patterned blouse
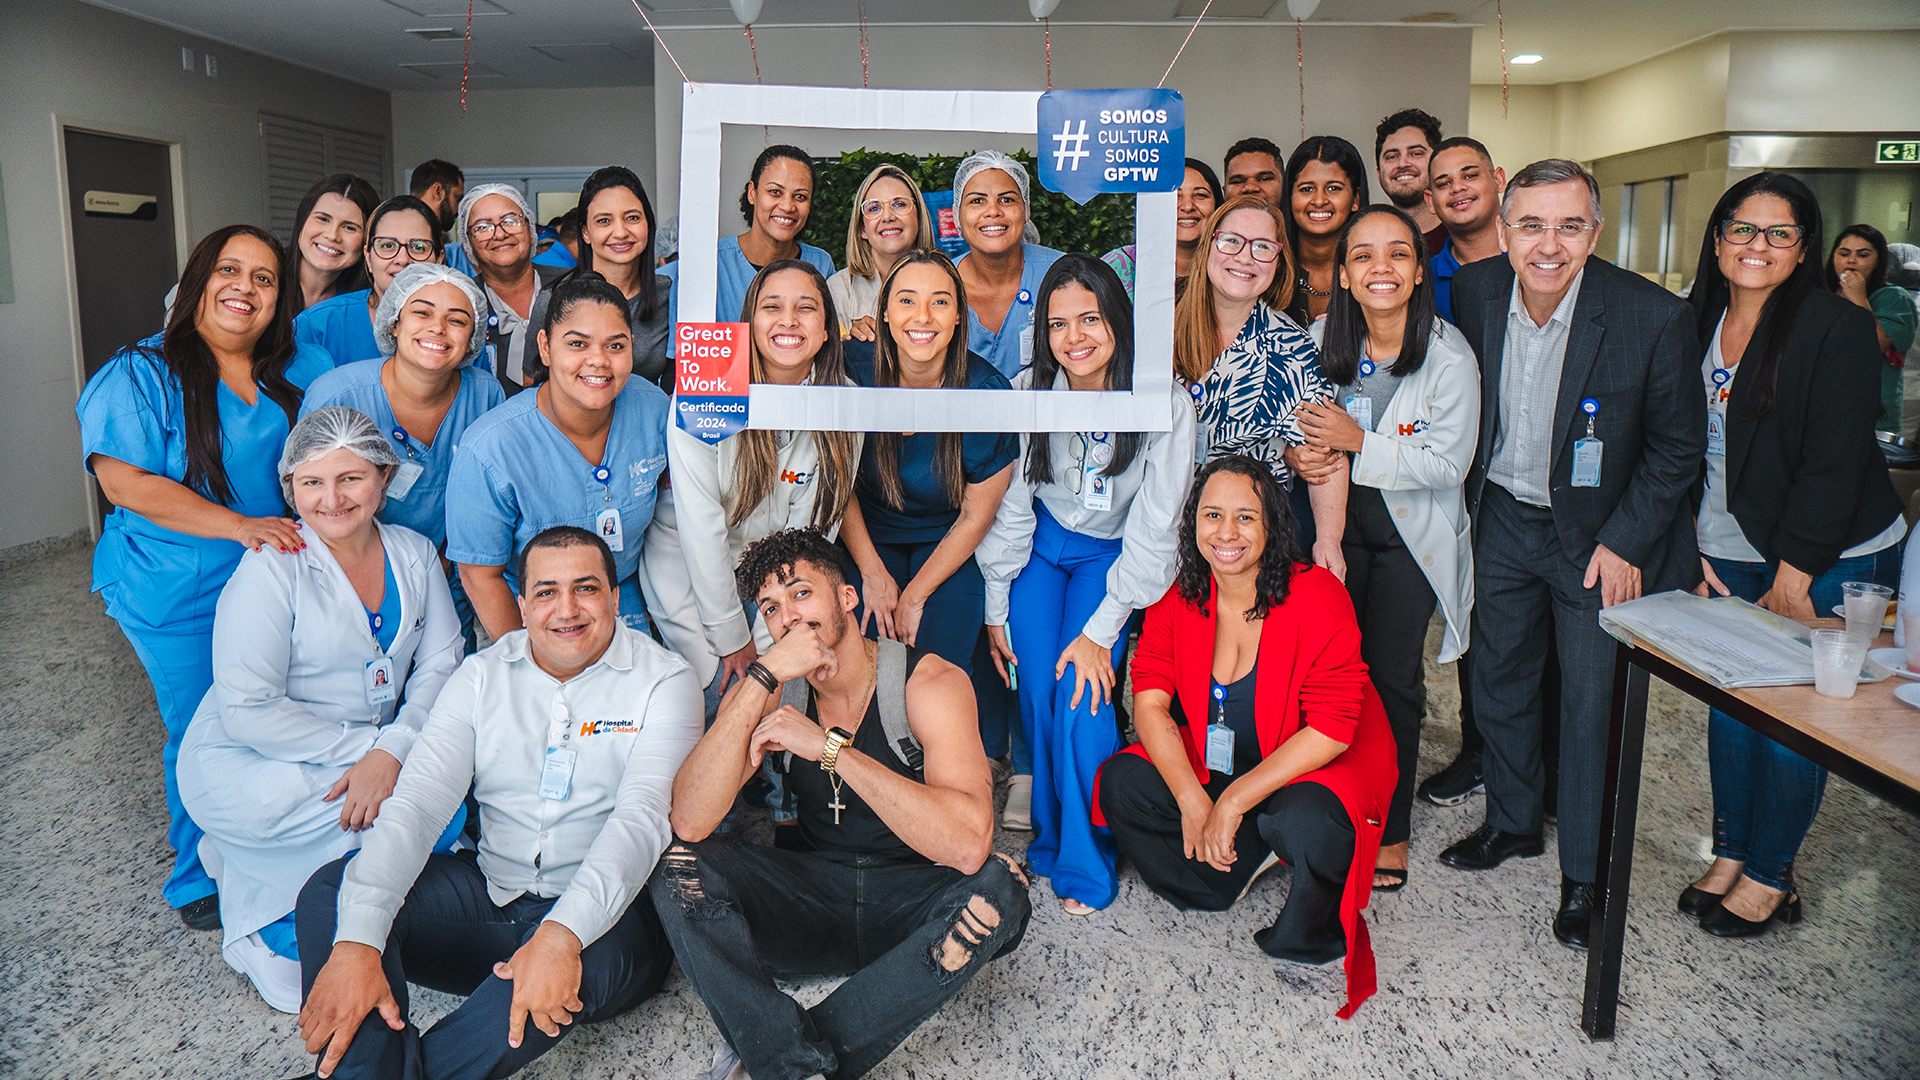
1247	398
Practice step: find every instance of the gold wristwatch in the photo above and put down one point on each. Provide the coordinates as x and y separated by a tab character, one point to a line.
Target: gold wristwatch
836	738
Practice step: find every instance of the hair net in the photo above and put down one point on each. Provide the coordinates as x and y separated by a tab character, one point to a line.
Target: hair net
411	280
994	159
475	194
323	431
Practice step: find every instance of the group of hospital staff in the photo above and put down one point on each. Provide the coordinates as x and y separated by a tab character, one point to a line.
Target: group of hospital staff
320	489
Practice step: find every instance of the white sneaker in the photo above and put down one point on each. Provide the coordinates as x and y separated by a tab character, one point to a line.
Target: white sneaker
726	1066
274	976
1018	815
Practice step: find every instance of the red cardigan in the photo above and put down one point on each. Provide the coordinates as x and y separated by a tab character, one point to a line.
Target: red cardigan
1310	673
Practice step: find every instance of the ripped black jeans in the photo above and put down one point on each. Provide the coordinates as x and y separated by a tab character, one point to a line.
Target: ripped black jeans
910	936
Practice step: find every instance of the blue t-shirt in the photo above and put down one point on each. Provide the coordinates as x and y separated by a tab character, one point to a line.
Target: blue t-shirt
516	474
1011	347
1444	265
735	274
924	514
423	508
132	410
340	326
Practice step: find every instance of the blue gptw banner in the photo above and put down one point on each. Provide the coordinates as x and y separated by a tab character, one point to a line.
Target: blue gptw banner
1092	141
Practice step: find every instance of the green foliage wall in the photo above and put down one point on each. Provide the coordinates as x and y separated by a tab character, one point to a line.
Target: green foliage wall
1104	223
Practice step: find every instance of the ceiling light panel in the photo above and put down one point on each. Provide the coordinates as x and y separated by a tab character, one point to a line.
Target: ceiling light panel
437	33
597	53
1527	58
448	9
452	70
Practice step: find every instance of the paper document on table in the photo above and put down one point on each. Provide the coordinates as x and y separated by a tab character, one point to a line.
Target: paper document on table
1725	640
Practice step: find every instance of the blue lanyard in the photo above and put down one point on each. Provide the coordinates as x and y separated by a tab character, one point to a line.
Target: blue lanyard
400	436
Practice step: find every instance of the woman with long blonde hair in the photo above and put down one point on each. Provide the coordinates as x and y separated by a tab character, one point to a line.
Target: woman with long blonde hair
889	219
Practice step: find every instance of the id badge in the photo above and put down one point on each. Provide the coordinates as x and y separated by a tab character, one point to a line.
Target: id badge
557	776
1220	748
1026	345
380	683
404	476
1716	434
1361	409
1096	490
607	524
1586	463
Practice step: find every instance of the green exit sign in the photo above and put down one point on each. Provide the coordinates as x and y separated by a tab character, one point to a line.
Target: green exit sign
1897	152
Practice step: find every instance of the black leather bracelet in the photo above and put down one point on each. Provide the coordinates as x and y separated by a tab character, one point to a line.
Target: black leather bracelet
764	677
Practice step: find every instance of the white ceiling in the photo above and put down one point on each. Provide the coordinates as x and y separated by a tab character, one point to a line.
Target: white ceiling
577	43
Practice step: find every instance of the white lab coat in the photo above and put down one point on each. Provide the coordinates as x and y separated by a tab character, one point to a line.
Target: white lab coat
288	713
1418	454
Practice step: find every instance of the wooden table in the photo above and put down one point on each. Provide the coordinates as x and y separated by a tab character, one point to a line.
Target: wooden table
1871	739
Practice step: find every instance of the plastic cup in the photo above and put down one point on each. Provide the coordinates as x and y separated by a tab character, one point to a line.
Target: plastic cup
1865	605
1837	656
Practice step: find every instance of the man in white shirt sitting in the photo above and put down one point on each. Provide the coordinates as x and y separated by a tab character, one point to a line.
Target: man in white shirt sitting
570	732
900	891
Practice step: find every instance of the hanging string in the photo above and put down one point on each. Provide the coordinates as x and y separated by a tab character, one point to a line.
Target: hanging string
663	41
1047	29
466	59
1501	18
1183	44
755	52
863	44
1300	60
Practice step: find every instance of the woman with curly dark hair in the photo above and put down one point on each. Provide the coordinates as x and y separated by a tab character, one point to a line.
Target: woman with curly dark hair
1293	761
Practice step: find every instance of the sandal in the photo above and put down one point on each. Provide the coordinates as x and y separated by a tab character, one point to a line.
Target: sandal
1390	872
1076	909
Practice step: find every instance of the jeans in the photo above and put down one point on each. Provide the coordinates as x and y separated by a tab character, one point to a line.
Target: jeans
1765	796
908	935
447	936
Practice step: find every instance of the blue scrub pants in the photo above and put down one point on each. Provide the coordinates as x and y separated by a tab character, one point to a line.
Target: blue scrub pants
1063	583
950	624
179	662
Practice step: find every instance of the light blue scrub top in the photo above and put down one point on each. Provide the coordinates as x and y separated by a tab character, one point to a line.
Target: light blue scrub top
1003	350
556	255
457	258
515	474
736	274
424	507
132	410
339	326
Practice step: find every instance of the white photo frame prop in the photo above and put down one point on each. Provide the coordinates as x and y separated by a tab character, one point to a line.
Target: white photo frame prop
706	106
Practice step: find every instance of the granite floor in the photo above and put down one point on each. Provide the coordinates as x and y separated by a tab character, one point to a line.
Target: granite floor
99	979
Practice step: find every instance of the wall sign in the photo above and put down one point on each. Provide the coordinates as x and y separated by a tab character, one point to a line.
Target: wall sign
1111	140
121	205
1897	152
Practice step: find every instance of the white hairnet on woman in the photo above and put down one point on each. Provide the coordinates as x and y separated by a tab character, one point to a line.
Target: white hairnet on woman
475	194
411	280
982	160
323	431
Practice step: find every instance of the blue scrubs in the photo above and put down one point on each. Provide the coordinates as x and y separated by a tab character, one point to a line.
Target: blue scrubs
1444	264
340	326
1011	347
736	274
556	255
457	258
515	474
906	537
161	585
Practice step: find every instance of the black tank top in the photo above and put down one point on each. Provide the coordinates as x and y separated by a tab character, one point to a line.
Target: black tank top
860	831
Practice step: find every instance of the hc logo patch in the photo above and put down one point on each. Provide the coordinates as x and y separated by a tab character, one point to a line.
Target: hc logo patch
788	476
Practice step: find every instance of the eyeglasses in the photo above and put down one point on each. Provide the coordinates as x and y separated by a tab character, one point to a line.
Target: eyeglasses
898	205
1077	450
387	247
1227	243
1742	233
1540	230
508	223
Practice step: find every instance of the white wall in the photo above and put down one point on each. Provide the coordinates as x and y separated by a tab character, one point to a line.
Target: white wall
1234	78
1807	81
96	67
525	128
1521	133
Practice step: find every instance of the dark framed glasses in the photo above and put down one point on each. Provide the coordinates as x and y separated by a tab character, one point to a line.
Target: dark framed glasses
1743	233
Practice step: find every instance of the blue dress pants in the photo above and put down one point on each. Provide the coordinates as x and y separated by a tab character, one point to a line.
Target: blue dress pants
1050	602
1765	796
179	662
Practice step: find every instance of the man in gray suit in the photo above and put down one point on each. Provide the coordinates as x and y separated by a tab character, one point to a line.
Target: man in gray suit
1593	428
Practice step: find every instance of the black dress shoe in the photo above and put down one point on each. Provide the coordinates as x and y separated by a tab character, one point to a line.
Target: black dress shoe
202	914
1573	923
1452	785
1488	847
1697	902
1722	923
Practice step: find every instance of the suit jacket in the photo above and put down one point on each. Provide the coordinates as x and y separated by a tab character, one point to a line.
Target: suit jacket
1808	481
1631	347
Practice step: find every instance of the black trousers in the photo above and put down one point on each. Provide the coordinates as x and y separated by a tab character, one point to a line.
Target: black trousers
1304	824
1394	603
1524	582
447	936
1472	742
909	935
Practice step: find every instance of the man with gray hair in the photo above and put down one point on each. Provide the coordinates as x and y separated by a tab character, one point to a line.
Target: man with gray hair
1592	431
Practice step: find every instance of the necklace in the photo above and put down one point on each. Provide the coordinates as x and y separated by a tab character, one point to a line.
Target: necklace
873	680
1311	291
